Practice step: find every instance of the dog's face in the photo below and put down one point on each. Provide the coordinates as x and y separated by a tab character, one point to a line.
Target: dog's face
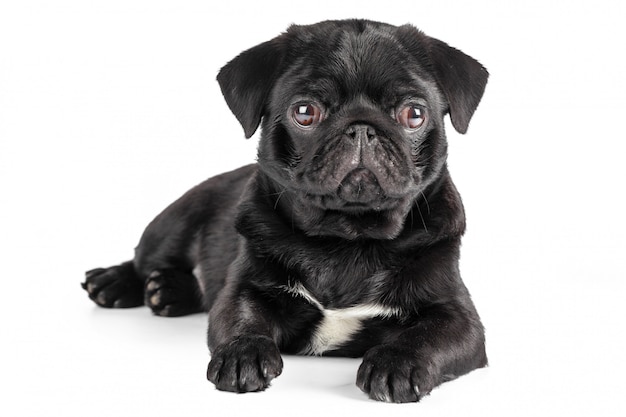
352	115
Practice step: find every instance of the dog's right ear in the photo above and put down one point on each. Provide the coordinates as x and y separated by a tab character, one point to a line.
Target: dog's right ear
247	80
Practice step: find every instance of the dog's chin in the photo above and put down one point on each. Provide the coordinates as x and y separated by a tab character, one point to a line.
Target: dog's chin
332	216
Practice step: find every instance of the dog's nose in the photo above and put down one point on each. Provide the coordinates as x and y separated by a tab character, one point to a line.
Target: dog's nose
361	132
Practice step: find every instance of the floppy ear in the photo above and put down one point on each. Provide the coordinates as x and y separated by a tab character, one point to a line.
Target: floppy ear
247	80
461	78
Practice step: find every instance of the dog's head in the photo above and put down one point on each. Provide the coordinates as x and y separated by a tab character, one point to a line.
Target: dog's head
352	119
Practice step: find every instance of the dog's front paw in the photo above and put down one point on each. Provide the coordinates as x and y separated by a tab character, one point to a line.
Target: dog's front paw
393	374
114	287
246	364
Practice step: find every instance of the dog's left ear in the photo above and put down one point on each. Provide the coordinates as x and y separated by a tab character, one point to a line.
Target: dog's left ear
461	78
247	80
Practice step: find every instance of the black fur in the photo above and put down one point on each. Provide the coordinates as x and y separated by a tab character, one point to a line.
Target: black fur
354	211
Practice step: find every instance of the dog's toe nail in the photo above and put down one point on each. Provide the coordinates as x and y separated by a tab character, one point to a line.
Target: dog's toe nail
152	286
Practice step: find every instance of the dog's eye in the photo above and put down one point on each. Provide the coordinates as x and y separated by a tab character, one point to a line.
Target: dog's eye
411	117
306	115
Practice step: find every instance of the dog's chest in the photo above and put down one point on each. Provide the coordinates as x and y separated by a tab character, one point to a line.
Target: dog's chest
339	325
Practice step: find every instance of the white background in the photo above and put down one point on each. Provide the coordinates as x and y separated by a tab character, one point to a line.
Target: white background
109	110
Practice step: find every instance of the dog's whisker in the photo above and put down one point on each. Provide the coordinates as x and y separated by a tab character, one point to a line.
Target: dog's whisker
280	194
421	217
426	201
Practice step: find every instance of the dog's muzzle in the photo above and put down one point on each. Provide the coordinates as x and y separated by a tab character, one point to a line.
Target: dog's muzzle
361	170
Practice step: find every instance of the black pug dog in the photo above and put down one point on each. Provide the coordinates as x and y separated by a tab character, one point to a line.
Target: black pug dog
344	238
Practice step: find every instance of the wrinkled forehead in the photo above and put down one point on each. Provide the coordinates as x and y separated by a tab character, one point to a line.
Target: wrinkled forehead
371	63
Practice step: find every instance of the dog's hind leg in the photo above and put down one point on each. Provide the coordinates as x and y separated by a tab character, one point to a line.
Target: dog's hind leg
167	292
160	276
192	240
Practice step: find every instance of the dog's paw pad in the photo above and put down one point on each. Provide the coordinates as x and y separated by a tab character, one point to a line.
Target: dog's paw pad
115	287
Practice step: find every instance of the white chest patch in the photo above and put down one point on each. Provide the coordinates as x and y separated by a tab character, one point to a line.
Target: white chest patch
339	325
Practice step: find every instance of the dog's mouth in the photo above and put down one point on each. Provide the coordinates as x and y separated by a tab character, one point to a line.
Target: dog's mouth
356	172
358	208
358	192
359	187
358	202
334	203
